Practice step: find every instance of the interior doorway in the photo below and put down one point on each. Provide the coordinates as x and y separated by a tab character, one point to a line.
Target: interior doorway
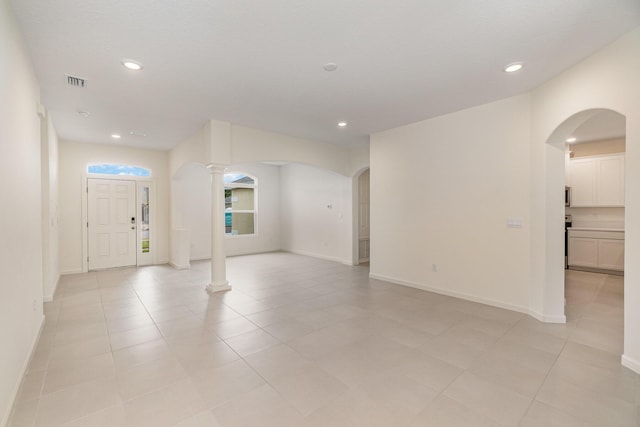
594	144
364	217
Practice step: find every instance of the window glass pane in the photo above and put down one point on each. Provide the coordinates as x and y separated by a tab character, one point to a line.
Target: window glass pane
117	169
144	220
241	223
237	178
241	199
228	222
227	199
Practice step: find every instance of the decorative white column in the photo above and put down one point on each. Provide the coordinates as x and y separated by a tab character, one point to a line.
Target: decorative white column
219	280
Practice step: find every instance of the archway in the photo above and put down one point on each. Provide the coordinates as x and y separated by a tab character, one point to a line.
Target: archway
600	128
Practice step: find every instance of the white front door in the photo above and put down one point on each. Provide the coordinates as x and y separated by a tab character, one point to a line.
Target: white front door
111	223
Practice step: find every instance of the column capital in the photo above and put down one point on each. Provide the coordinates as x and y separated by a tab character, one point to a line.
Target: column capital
217	169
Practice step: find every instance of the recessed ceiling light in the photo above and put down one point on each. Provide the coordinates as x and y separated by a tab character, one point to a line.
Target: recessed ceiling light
83	113
132	133
342	124
572	139
115	136
132	65
330	66
513	67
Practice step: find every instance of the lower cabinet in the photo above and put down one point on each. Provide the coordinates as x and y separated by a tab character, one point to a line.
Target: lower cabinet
596	249
583	252
611	254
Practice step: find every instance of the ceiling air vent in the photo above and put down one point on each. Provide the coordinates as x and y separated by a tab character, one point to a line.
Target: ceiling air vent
76	81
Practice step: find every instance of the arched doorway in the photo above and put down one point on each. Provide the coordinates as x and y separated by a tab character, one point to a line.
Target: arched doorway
585	146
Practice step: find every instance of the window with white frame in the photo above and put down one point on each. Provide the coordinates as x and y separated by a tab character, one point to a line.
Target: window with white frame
240	192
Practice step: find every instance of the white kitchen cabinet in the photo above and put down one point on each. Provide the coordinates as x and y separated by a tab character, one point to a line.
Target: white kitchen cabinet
597	181
611	254
583	182
610	181
583	252
596	248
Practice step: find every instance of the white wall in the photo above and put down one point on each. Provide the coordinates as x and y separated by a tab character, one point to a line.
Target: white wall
20	216
442	191
358	159
254	145
73	160
193	190
192	150
49	163
248	145
308	225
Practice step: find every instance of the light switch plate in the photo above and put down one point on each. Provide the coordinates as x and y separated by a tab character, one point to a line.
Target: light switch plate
514	223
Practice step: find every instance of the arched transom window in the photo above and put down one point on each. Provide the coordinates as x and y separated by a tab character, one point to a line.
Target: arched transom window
117	169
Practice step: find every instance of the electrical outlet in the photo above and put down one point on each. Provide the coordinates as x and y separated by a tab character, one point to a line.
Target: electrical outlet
434	268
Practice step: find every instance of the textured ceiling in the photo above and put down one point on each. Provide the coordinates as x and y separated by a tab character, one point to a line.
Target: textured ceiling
260	64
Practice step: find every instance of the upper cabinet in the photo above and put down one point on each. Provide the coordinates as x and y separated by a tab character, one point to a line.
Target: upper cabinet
610	181
583	182
597	181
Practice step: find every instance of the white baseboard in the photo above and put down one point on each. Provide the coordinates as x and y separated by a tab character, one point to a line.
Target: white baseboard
239	253
548	318
253	252
630	363
455	294
23	371
315	255
72	271
49	298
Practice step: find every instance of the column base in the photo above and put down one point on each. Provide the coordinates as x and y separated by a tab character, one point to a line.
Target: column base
218	287
180	266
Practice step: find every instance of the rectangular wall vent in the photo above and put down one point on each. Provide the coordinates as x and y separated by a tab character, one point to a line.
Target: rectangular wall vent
76	81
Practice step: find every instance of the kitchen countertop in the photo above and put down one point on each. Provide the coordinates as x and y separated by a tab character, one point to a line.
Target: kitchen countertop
595	229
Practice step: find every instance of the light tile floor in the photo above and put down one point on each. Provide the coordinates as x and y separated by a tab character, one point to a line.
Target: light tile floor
306	342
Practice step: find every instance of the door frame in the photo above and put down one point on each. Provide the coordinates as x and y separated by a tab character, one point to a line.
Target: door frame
355	215
152	215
